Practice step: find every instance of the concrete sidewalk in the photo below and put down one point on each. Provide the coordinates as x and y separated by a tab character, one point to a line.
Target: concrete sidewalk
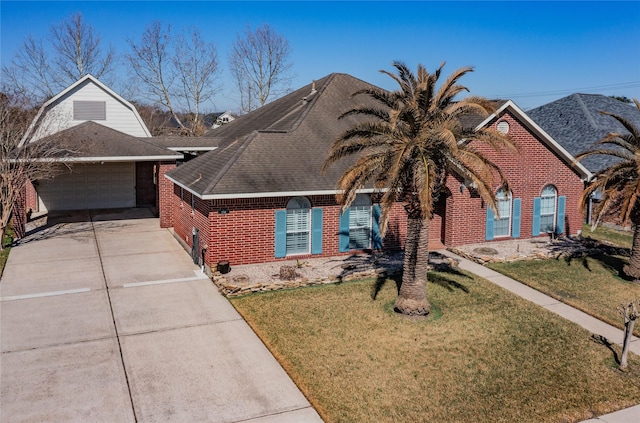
593	325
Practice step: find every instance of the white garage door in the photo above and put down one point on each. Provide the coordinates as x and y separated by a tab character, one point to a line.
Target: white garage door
90	186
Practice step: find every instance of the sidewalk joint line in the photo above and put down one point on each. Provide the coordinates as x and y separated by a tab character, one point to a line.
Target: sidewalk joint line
45	294
164	281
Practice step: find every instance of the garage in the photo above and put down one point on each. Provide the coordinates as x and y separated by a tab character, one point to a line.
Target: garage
90	186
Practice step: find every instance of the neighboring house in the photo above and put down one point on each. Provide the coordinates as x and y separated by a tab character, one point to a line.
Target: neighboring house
576	123
112	161
260	195
221	119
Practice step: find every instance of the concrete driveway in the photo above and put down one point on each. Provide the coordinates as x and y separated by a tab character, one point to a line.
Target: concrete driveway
105	318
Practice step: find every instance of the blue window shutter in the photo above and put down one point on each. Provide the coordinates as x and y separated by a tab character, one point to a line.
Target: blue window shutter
376	240
515	220
562	201
281	234
344	231
316	230
537	202
489	230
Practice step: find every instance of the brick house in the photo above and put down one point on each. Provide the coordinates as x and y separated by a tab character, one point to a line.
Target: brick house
260	196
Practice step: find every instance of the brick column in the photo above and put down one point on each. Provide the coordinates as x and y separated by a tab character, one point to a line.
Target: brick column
164	194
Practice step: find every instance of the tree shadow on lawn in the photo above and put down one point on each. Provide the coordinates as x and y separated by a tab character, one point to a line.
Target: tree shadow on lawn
599	339
439	277
612	258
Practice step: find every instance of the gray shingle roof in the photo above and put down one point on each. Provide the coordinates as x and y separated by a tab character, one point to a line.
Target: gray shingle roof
90	139
576	123
279	147
174	141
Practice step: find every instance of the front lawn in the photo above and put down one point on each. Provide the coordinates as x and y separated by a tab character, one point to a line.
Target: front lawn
595	284
483	355
612	236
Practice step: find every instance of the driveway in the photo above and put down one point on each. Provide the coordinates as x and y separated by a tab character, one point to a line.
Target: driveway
105	318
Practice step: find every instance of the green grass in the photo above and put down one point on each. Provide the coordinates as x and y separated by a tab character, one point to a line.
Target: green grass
6	243
596	284
612	236
483	355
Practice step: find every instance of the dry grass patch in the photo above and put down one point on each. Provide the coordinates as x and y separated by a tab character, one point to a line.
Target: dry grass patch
482	355
595	285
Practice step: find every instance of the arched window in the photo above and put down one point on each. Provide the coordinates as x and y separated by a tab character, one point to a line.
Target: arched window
298	226
548	201
502	224
360	222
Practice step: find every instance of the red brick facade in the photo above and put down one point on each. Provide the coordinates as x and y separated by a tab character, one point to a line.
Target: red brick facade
528	171
164	193
242	231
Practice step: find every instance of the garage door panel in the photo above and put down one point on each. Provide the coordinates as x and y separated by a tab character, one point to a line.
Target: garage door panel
91	186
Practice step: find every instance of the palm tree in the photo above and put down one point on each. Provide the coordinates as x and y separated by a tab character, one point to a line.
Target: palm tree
619	184
406	145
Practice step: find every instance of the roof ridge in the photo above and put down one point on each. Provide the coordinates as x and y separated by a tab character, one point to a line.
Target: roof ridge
583	106
247	139
316	94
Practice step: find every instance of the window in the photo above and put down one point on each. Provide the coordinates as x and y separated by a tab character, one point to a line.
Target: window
502	224
548	209
298	226
360	223
89	110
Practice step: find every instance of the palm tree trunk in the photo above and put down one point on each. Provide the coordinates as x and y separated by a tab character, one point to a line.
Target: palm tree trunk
412	298
633	268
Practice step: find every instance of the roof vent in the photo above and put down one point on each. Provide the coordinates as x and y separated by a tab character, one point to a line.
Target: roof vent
313	87
304	100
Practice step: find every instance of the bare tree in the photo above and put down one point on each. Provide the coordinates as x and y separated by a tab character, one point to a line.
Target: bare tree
21	164
260	63
197	64
177	72
630	313
151	63
73	50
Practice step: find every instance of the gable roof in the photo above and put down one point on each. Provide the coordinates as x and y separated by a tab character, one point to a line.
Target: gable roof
30	131
91	141
279	149
575	122
548	140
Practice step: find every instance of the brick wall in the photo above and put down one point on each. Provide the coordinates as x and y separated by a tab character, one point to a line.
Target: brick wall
528	171
31	198
242	231
164	194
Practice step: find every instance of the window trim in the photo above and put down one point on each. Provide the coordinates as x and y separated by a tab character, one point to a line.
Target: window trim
496	220
554	221
309	229
364	201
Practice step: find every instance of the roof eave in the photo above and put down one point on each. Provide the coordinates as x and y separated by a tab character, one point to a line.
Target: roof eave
231	196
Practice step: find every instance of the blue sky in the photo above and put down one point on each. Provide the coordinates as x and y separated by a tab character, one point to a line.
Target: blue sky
531	52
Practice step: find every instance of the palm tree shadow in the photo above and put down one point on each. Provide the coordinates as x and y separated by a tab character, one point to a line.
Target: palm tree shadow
610	257
441	277
382	280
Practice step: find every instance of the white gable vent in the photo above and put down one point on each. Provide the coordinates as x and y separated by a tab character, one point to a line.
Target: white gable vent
503	127
89	110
